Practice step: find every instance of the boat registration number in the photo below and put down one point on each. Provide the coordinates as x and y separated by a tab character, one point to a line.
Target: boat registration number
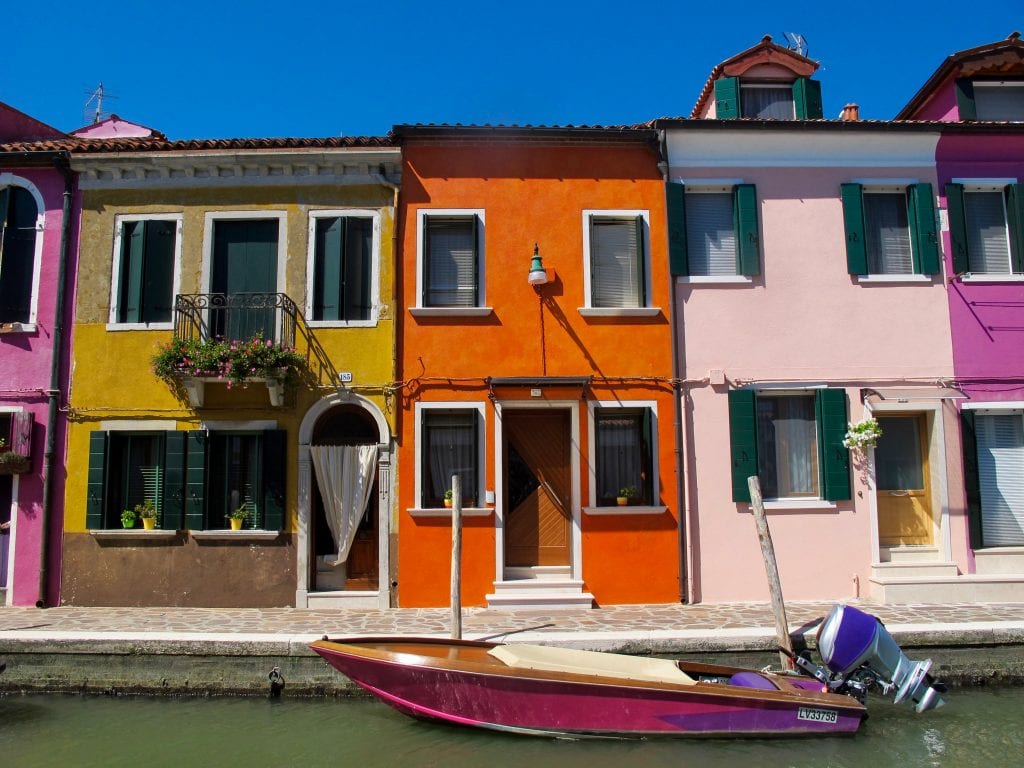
817	715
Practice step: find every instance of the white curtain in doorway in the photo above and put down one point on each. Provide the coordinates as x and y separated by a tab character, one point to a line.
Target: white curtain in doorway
344	474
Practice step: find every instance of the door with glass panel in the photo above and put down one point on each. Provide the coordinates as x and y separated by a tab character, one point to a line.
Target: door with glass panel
244	275
538	488
904	489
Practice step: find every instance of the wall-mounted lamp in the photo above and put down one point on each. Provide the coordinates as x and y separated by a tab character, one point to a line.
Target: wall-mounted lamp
538	275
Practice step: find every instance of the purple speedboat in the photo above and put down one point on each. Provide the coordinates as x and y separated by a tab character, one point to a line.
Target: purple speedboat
542	690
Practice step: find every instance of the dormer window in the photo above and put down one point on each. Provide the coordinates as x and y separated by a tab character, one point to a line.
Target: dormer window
767	100
990	99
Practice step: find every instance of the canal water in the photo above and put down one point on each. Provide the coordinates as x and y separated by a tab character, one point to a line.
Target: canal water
979	727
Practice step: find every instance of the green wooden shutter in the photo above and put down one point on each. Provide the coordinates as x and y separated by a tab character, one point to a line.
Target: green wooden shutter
173	506
924	241
1015	220
972	478
158	272
957	228
641	261
748	250
133	243
327	269
275	460
675	201
96	492
647	449
742	440
965	99
727	98
853	220
807	99
195	480
835	457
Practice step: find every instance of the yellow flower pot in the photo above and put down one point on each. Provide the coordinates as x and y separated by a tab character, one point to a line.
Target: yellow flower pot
236	523
149	523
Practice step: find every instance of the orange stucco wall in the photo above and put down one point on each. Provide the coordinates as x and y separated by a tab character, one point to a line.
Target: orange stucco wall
528	194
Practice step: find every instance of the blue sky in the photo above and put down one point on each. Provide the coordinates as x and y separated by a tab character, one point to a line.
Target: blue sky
220	70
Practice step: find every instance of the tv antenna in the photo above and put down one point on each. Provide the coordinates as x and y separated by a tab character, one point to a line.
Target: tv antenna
94	104
796	42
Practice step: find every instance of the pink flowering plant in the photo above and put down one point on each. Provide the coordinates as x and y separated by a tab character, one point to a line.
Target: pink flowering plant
233	361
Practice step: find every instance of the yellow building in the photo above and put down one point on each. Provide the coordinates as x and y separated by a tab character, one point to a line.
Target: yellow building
261	272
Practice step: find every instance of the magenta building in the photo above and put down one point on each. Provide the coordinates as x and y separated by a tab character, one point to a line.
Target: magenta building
979	95
36	258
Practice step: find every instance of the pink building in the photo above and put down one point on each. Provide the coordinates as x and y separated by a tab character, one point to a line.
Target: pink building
979	95
809	293
36	257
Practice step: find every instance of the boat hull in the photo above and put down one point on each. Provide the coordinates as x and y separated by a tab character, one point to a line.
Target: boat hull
571	705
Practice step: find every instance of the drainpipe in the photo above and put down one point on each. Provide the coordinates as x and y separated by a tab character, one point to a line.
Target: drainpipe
62	163
677	403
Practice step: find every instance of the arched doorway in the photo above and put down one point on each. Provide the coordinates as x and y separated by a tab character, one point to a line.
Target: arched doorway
360	579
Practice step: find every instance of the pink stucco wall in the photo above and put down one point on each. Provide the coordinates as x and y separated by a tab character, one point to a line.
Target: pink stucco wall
803	321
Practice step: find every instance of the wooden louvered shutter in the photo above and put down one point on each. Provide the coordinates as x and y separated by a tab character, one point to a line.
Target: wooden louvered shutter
173	508
275	459
97	481
965	99
195	480
834	456
957	228
853	220
675	201
807	99
923	235
727	98
972	477
327	268
133	242
748	249
158	272
742	441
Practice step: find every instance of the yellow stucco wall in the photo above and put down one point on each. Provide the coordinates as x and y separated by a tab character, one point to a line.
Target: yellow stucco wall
112	378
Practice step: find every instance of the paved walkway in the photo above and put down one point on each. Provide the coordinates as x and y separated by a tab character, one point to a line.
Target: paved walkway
618	624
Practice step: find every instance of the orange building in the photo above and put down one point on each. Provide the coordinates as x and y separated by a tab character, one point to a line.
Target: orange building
544	383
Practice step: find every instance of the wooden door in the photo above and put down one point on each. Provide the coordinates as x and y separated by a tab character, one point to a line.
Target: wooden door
904	489
538	488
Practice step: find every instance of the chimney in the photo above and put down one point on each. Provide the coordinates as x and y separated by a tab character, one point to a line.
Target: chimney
850	112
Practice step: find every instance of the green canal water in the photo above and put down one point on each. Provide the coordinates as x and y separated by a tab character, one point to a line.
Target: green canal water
980	727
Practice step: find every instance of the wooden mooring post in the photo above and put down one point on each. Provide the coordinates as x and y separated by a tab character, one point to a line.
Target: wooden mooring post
772	570
456	596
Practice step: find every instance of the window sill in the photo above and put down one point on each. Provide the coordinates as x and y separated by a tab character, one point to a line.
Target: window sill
140	326
716	279
894	279
628	509
447	512
132	534
620	311
1006	277
17	328
342	323
798	504
230	535
450	311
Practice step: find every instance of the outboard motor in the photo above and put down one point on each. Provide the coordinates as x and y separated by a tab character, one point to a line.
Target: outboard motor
858	651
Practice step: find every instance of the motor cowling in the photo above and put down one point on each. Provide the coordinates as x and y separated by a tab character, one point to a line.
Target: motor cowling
851	642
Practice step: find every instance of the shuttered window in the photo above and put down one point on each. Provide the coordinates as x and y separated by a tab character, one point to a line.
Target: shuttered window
342	268
127	469
1000	467
986	228
792	442
146	275
890	232
617	262
451	261
18	217
244	470
800	100
771	102
713	232
623	460
450	443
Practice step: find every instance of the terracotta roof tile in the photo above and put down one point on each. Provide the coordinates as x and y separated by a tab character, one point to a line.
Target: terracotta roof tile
159	144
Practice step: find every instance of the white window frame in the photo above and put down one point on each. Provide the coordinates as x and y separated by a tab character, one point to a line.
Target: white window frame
589	310
212	217
115	270
419	410
765	86
989	185
11	180
374	297
13	532
719	186
481	310
592	409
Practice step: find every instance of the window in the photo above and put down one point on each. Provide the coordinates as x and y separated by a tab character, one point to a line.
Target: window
623	446
793	442
451	259
450	444
713	230
994	476
146	252
990	99
890	230
247	250
616	258
343	264
800	100
18	222
986	228
193	478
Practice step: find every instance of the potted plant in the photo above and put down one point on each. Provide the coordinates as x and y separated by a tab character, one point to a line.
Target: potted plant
627	495
128	518
237	517
233	361
863	435
448	497
146	511
12	462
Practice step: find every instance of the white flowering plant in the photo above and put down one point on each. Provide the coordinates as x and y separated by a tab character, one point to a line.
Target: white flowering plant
863	434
